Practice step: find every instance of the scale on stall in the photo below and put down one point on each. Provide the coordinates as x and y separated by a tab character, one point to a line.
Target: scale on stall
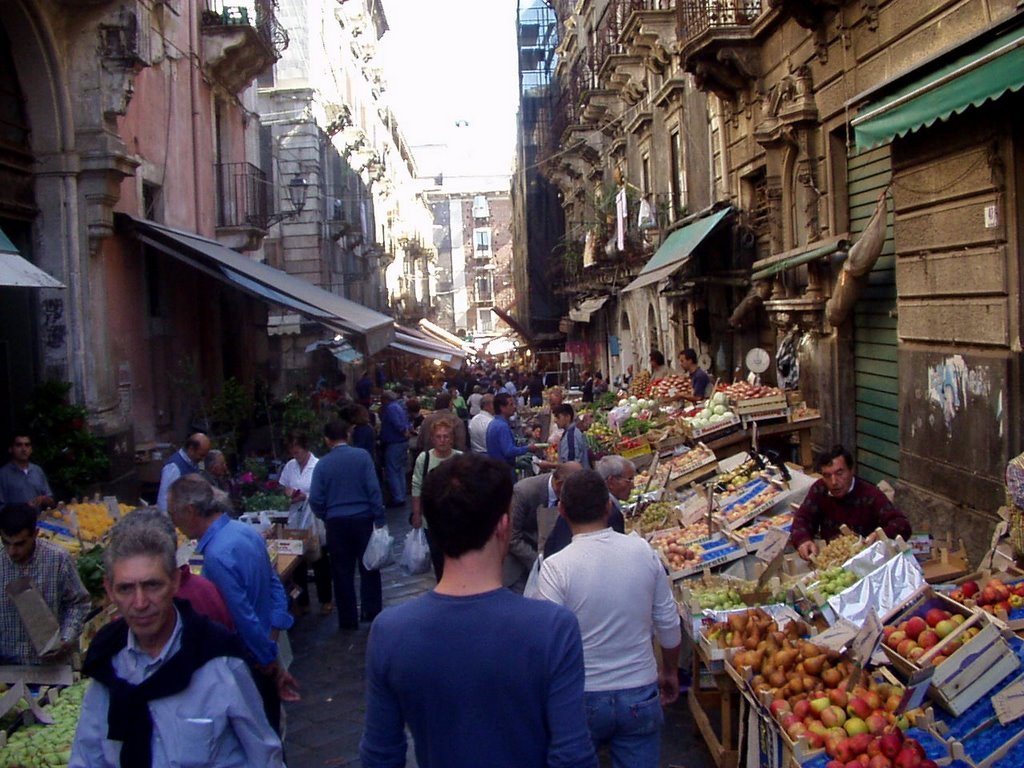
757	360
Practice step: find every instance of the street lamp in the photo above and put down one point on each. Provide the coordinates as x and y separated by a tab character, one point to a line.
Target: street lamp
298	188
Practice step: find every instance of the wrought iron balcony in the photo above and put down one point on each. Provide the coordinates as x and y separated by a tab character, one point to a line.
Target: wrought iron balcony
717	43
241	196
241	40
698	16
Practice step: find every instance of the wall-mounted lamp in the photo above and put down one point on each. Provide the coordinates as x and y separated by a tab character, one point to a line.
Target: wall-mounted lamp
298	188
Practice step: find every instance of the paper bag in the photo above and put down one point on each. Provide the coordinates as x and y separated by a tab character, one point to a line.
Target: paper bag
43	627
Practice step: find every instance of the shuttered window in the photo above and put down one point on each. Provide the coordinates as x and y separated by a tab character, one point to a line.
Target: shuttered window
875	343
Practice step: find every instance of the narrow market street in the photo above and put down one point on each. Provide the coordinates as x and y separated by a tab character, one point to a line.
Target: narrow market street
325	727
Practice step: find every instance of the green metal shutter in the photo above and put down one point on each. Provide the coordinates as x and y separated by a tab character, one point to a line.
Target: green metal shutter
876	380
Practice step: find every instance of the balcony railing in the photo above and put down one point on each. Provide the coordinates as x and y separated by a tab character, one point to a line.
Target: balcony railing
698	16
259	14
241	195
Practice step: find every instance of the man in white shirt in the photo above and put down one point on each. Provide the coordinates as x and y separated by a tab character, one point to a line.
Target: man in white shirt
620	594
474	400
479	423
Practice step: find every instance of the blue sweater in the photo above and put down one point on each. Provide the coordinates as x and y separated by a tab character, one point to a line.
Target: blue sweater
500	443
345	485
490	680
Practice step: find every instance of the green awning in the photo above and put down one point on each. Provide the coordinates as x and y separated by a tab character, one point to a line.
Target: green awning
969	80
18	272
676	250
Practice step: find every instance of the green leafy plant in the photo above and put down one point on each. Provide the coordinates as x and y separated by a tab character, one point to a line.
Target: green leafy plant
265	501
231	409
72	457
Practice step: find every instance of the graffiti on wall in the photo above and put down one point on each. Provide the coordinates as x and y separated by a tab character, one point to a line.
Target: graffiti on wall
54	329
951	385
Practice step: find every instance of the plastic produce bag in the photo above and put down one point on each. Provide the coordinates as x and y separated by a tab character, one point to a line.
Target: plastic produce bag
415	552
378	549
532	588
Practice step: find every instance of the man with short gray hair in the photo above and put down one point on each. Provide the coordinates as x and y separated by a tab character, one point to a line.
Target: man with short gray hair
187	460
618	474
170	687
235	560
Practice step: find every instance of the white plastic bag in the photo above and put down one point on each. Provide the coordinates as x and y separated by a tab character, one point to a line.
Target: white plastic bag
415	552
378	549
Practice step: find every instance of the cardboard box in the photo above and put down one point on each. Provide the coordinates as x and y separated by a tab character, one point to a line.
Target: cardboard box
43	627
289	541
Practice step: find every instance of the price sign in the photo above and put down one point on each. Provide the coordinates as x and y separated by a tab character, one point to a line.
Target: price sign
775	541
1009	702
694	513
917	687
867	639
113	509
837	636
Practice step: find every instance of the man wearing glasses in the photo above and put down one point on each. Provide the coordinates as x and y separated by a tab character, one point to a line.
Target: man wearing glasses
21	481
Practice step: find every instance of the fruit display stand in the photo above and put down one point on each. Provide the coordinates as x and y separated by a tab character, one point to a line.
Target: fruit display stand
752	536
715	551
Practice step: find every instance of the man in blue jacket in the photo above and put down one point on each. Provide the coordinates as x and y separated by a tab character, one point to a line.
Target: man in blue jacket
346	494
501	445
394	438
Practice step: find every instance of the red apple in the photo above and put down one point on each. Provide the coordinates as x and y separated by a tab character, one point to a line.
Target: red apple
916	653
935	615
796	730
969	588
858	707
859	743
915	626
788	719
929	637
891	743
926	763
904	648
834	764
844	751
833	716
876	723
880	761
896	638
779	707
839	697
873	699
907	758
802	708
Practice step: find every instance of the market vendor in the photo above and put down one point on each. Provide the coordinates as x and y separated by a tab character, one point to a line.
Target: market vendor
187	460
840	498
658	368
21	481
699	379
51	571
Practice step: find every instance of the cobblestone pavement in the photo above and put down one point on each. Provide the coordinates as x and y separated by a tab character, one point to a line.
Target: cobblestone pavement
323	730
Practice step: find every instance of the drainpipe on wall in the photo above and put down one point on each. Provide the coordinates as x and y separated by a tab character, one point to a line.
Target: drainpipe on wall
193	87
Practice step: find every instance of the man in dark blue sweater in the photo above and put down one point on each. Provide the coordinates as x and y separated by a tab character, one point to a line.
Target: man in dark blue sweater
480	675
346	494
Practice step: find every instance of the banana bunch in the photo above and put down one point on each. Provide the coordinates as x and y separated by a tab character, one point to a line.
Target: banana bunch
47	746
72	545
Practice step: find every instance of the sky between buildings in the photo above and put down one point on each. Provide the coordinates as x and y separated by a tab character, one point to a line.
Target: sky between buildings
452	81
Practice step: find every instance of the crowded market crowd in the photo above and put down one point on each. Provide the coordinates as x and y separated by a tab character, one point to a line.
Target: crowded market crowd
542	607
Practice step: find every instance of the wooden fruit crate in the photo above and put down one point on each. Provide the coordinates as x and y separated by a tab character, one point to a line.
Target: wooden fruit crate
760	404
972	670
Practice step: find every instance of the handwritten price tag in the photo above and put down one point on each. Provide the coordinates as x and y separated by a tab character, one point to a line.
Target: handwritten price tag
867	639
774	543
837	636
1009	702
